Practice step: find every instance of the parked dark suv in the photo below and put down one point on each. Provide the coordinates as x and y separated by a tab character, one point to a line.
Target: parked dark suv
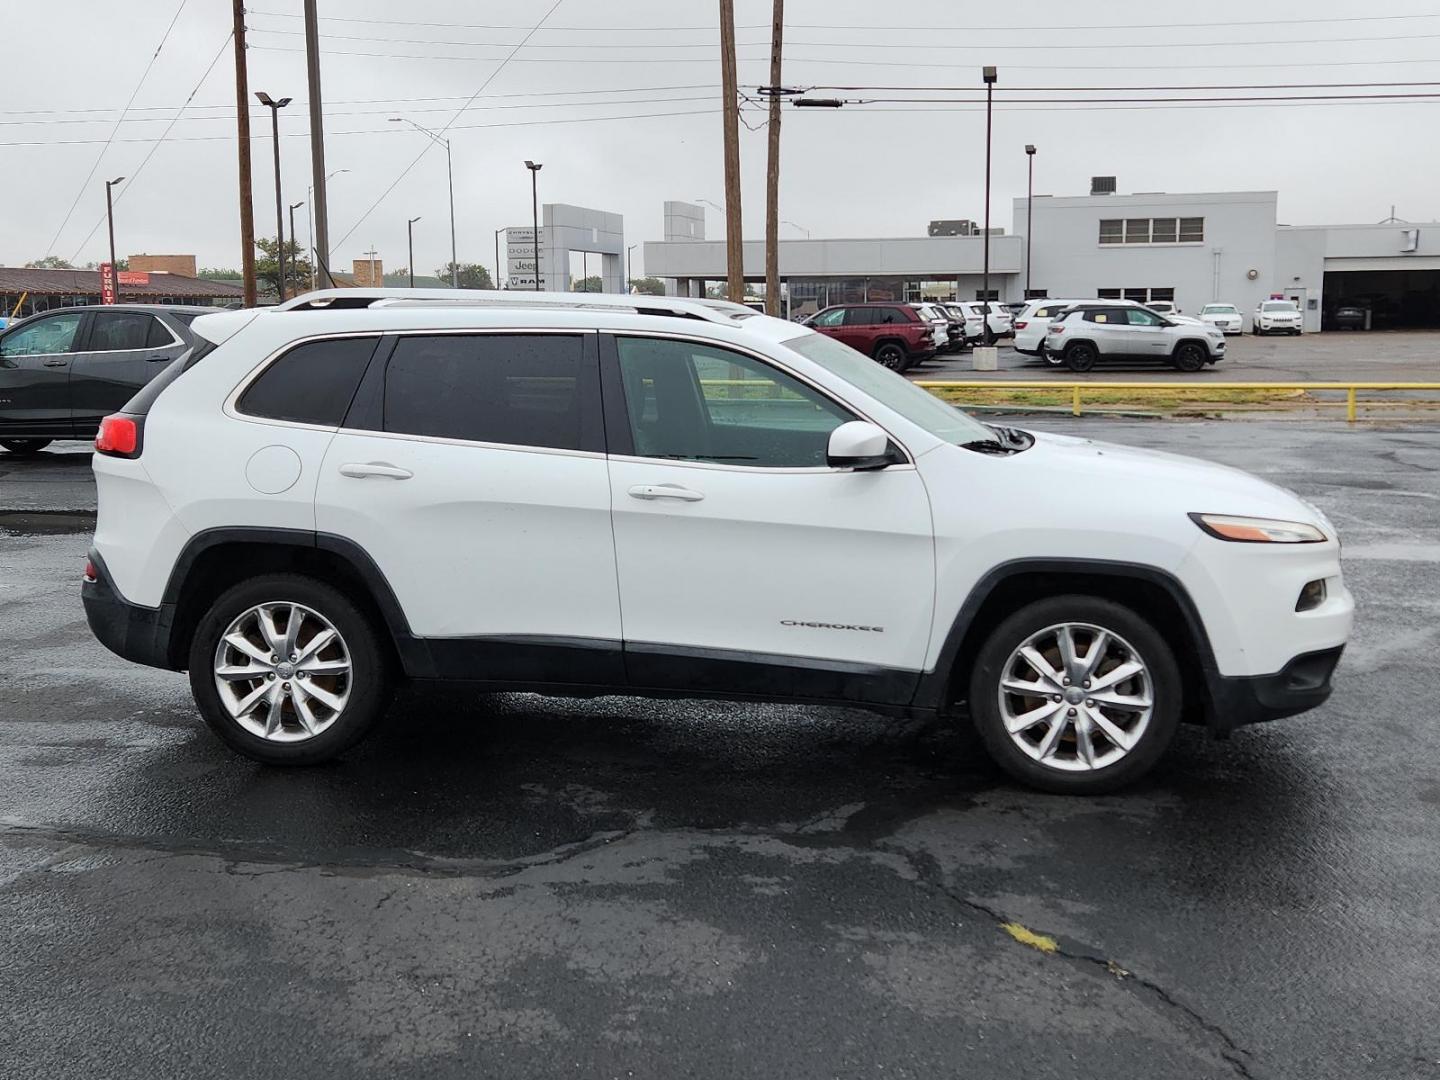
893	333
61	371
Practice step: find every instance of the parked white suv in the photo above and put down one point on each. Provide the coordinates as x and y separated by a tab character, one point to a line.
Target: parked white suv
1090	332
1278	317
655	496
1033	323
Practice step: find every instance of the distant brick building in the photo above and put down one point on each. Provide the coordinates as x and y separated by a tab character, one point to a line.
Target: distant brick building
184	265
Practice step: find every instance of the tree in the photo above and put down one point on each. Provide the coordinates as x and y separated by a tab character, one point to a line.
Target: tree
49	262
220	273
297	267
593	283
120	264
471	275
649	286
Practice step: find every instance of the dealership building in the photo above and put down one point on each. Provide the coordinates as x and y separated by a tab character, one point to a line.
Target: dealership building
1192	249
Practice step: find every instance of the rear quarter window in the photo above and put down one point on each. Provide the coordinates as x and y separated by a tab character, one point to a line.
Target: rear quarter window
313	383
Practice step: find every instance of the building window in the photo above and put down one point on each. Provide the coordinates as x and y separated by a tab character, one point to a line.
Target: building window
1037	294
981	294
1169	230
1138	295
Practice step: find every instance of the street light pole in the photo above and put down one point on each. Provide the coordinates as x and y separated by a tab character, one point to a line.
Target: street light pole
989	75
410	240
310	217
629	267
275	107
293	208
535	167
1029	214
499	274
110	220
450	173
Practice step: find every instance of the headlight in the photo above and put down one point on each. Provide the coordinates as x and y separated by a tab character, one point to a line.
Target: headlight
1248	530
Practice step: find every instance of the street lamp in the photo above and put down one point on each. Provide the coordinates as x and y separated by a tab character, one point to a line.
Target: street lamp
275	107
310	225
450	172
499	275
535	167
293	208
989	75
1029	214
410	241
110	220
629	271
800	227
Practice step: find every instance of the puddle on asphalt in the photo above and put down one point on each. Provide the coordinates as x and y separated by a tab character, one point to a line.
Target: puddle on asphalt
46	522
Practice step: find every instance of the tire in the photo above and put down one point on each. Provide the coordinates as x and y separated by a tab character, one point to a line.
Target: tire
892	356
1055	760
25	447
1189	357
363	689
1081	356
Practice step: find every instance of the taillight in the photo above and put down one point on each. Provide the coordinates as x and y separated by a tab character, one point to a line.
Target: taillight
1056	328
1021	325
119	436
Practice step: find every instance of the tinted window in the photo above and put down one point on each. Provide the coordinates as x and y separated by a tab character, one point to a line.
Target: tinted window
830	318
1108	294
1139	317
1109	316
160	336
892	315
311	384
116	331
860	316
690	401
515	389
53	334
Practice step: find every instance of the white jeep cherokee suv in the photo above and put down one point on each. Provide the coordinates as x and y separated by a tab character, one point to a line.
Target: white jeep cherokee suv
656	496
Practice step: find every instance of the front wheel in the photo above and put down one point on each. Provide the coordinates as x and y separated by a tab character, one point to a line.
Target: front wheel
1190	357
1076	695
1081	356
891	356
25	447
287	670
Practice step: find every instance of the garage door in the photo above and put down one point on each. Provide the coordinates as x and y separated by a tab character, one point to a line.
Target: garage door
1396	299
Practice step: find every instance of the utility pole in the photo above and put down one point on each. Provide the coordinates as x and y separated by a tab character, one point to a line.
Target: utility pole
772	169
321	203
410	238
988	74
242	132
734	235
295	258
372	253
1029	214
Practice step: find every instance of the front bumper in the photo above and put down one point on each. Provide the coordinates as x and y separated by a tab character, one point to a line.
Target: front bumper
1301	684
131	631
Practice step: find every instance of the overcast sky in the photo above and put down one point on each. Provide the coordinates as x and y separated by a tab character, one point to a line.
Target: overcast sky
864	170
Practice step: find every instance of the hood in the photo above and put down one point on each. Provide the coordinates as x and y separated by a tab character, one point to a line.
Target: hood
1159	480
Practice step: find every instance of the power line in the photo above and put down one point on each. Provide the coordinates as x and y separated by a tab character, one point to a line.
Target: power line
50	250
1128	89
430	143
163	136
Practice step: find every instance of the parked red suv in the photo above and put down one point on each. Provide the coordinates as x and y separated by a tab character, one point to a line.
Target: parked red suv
894	334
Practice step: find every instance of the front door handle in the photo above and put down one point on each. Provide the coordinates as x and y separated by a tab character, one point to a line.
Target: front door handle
363	471
158	359
55	363
665	491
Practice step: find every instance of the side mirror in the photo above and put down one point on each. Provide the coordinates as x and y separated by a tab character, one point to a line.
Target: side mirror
859	445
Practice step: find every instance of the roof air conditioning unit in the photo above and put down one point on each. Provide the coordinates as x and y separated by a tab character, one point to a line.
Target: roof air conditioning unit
1102	185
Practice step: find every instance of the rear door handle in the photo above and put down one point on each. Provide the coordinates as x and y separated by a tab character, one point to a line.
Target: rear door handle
665	491
55	363
363	471
158	359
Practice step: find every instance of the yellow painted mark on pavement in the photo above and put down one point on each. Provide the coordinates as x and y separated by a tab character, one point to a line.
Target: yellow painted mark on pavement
1044	942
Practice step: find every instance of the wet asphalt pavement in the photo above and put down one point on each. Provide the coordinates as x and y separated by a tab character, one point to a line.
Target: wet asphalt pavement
519	887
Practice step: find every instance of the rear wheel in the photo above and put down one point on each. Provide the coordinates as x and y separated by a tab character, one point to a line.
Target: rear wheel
287	670
891	355
1076	695
25	447
1081	356
1190	357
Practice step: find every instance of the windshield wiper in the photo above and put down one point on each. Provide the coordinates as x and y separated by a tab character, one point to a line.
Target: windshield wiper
987	446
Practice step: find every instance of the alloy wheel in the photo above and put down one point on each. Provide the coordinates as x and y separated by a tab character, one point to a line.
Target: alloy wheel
283	672
1076	697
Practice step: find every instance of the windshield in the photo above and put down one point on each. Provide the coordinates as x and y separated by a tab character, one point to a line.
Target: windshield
1218	309
895	392
1279	305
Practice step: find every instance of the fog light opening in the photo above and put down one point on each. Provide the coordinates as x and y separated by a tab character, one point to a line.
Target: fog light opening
1311	596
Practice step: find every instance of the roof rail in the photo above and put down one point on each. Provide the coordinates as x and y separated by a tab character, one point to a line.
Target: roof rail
719	311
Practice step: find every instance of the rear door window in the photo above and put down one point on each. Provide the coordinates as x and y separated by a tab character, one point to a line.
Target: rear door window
122	331
889	315
538	390
313	383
